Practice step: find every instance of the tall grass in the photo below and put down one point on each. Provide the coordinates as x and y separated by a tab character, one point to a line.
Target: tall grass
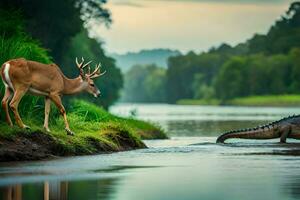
21	46
15	43
88	112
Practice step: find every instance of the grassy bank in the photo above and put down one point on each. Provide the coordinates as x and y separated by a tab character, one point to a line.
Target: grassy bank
270	100
198	102
97	131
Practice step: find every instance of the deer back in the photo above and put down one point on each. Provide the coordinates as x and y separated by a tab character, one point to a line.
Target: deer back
31	74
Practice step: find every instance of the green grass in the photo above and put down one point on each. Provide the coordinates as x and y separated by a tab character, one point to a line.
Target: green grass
92	113
93	127
270	100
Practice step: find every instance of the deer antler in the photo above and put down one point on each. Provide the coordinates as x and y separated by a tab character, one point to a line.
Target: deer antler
97	72
81	65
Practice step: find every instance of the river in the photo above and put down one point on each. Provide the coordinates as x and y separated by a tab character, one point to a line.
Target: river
187	166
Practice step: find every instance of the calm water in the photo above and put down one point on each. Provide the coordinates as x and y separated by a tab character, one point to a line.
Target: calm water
188	166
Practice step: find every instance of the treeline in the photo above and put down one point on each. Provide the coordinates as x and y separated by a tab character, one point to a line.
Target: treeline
263	65
58	31
144	83
259	75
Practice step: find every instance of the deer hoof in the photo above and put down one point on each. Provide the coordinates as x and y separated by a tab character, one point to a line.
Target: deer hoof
69	132
47	130
26	127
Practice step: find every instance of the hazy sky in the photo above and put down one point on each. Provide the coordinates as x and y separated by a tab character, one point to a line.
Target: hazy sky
186	24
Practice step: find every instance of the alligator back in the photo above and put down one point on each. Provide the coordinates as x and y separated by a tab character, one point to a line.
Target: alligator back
268	131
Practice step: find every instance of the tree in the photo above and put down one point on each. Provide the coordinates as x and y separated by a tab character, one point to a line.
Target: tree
154	85
55	22
144	83
201	89
294	56
282	36
230	79
182	69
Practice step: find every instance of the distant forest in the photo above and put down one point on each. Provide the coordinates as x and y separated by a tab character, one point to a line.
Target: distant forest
158	57
266	64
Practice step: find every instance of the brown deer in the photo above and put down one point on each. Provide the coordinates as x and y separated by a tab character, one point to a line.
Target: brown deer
21	76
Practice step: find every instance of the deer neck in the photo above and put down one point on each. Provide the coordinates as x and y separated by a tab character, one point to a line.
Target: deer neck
74	86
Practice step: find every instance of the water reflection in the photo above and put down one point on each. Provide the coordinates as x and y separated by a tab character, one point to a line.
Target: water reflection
12	192
56	190
45	191
292	187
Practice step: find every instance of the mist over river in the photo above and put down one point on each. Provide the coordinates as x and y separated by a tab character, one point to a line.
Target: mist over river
189	165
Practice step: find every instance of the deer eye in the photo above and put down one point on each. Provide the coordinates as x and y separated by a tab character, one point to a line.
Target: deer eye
92	84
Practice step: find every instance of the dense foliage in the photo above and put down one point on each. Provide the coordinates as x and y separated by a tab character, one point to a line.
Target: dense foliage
60	27
187	74
259	75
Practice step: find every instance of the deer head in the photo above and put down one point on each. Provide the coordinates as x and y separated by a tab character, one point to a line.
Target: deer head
87	78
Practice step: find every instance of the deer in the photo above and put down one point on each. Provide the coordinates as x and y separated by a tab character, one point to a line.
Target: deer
21	76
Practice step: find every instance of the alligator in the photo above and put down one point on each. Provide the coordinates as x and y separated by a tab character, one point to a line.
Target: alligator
288	127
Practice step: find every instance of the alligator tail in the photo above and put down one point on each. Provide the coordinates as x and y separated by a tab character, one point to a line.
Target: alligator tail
265	132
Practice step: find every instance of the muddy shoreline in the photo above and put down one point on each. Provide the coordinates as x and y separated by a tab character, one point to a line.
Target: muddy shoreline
39	145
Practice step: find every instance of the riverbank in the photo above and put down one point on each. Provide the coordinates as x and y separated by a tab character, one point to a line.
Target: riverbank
270	100
96	131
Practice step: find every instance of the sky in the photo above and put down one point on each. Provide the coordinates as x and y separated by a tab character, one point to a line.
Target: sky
186	25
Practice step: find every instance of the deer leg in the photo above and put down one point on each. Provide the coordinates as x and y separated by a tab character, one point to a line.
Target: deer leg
19	93
47	111
7	97
57	101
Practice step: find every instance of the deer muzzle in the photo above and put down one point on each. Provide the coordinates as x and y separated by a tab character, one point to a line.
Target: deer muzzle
97	94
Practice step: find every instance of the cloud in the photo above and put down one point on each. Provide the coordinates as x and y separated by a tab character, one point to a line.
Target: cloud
127	3
134	3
